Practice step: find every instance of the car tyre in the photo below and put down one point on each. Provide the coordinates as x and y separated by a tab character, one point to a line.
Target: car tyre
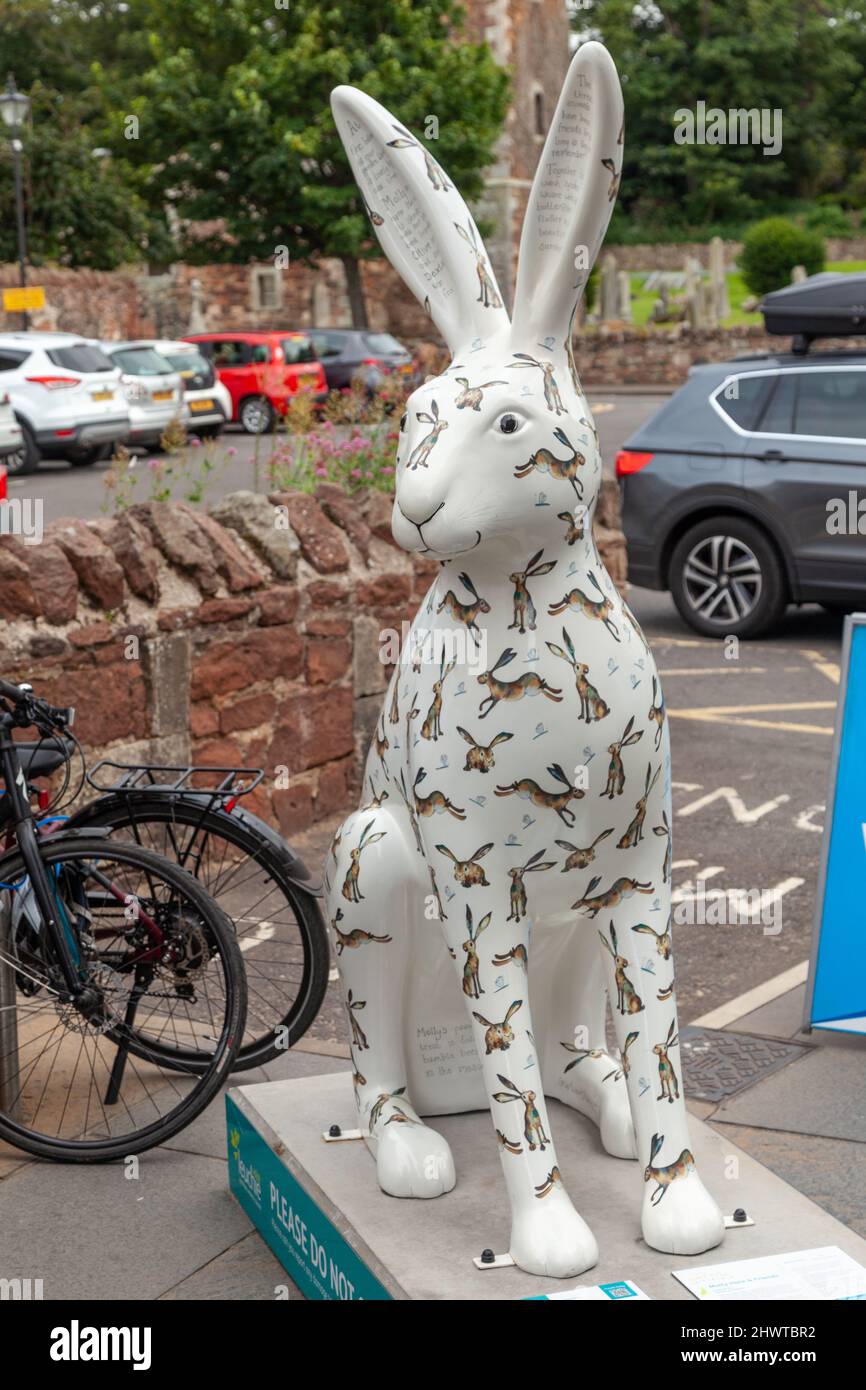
86	458
257	415
26	459
727	579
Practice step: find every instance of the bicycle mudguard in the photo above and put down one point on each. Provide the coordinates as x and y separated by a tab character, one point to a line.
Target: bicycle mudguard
87	820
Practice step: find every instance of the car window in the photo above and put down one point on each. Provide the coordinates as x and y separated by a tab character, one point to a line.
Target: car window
383	342
298	349
831	403
228	352
188	363
778	417
742	397
261	353
10	360
327	345
141	361
80	357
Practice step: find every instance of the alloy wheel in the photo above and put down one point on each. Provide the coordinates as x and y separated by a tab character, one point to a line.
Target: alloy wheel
722	579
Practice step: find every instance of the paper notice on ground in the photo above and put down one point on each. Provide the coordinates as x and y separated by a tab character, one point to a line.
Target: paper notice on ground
817	1275
620	1291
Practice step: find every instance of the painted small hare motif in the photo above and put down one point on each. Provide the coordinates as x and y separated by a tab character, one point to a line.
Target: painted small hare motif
520	601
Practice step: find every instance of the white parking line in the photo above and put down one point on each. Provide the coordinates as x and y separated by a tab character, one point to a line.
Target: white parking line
754	998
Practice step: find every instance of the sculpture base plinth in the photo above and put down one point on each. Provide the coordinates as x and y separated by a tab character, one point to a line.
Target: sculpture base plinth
340	1238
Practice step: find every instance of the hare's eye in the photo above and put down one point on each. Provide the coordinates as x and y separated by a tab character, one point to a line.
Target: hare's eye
509	423
403	422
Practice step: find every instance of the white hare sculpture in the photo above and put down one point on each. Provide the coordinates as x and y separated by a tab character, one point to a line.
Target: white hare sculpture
517	779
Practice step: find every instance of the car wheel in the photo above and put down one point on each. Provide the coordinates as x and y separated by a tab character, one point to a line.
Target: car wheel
85	458
26	459
726	579
256	415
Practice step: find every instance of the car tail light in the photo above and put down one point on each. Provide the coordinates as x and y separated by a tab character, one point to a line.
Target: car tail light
3	492
628	461
4	398
372	362
55	383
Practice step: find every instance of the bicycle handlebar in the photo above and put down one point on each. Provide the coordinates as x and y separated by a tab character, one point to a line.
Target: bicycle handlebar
34	710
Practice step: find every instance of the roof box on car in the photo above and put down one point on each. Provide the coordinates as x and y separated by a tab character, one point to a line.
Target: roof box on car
829	305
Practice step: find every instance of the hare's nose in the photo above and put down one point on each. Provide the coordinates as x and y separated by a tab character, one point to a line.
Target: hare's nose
414	513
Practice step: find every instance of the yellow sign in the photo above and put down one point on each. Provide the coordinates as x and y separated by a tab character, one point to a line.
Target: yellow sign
15	301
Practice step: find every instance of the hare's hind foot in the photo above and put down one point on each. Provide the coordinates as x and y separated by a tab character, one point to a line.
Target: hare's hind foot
685	1221
550	1238
411	1159
602	1096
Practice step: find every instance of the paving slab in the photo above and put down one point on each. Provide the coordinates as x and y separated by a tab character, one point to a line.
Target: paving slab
425	1249
91	1233
829	1171
247	1272
780	1018
823	1093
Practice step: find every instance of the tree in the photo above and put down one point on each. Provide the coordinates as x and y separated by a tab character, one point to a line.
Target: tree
82	208
785	55
235	125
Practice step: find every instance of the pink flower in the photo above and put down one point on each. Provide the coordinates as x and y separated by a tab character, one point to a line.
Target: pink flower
154	464
194	441
321	472
355	473
230	453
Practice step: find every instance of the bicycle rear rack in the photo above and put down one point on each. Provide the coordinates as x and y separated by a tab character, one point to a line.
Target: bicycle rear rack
167	777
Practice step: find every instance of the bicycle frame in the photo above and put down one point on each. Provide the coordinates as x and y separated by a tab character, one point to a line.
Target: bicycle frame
21	828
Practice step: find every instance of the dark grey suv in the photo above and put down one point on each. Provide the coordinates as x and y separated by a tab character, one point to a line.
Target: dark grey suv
743	492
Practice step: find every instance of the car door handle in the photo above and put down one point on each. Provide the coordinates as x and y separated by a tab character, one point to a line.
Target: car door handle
773	456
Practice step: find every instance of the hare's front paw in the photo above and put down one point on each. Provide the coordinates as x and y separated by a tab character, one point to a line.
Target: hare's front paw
552	1239
685	1220
413	1161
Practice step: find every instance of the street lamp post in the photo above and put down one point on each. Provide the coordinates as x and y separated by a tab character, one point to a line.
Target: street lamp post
14	106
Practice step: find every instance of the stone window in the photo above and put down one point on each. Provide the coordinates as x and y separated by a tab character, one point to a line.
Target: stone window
266	288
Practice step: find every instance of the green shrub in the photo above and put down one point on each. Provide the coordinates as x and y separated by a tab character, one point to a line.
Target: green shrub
772	248
828	219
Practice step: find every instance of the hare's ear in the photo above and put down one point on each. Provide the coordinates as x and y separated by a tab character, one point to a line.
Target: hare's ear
570	203
416	214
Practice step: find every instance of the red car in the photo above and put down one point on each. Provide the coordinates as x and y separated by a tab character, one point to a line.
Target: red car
263	371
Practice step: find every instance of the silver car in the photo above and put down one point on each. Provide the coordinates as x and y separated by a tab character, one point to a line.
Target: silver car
208	405
152	388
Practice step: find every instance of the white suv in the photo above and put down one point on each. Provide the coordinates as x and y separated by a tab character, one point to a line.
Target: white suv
66	395
10	430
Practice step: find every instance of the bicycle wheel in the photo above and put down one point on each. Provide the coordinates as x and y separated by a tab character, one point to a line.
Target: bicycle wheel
88	1081
279	926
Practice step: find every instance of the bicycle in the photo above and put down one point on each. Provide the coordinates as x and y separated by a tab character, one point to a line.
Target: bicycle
248	870
106	950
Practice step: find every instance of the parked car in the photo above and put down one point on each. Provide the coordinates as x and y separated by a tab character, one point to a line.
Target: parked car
730	490
66	395
263	371
207	403
152	387
352	354
11	436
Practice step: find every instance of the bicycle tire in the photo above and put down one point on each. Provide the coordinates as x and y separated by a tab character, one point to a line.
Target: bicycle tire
114	814
63	850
